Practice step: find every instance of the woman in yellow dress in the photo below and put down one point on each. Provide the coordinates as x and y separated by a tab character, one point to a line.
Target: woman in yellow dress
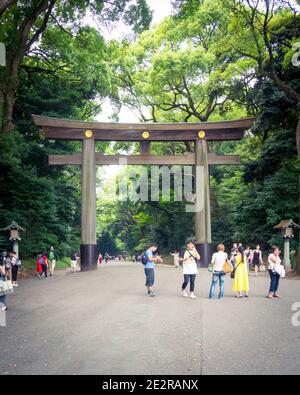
241	279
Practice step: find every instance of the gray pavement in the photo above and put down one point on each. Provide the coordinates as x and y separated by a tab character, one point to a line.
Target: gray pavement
102	322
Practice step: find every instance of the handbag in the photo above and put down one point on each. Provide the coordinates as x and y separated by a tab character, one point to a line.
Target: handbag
233	271
227	268
6	287
210	267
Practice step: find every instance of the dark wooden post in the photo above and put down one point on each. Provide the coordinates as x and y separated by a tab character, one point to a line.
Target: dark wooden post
145	147
88	206
203	217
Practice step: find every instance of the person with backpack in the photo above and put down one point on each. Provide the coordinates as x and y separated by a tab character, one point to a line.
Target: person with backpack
188	257
52	259
148	260
42	265
15	264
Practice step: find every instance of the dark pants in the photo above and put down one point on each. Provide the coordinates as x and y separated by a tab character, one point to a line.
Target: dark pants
3	299
189	278
275	279
14	273
44	270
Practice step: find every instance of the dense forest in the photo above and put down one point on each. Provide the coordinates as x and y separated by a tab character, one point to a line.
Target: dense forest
210	60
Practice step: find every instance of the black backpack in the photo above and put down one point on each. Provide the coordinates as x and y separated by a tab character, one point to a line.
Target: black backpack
144	258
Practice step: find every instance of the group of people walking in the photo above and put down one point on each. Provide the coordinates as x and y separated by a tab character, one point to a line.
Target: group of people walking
46	262
9	268
237	264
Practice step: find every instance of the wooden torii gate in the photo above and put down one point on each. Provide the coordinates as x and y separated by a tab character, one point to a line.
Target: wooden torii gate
89	132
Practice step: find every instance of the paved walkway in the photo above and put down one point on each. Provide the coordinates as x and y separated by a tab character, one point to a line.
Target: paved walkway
103	323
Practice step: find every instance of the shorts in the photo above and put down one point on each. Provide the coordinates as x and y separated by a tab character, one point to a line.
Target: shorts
74	264
149	277
53	264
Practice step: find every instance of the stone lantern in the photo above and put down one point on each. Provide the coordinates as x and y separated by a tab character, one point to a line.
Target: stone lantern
287	230
14	235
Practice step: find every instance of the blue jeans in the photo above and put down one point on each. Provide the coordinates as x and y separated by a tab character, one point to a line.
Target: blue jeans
217	276
275	278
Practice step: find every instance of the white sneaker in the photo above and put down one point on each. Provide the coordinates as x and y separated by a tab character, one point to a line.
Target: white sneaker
3	308
192	296
185	294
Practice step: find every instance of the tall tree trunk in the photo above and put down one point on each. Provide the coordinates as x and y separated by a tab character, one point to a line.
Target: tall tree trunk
16	55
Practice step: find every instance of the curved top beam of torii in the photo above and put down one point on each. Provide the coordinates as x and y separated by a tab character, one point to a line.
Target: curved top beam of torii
65	129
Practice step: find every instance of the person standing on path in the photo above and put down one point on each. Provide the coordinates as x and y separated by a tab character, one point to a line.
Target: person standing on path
3	306
188	257
257	259
175	256
15	264
42	265
74	261
149	259
241	275
7	264
52	259
274	265
218	260
248	255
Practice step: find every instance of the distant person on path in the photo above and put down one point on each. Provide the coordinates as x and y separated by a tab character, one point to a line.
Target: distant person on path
42	265
234	248
175	256
248	255
15	264
100	259
241	276
7	264
274	266
74	261
3	306
106	257
218	260
149	259
52	259
188	257
257	259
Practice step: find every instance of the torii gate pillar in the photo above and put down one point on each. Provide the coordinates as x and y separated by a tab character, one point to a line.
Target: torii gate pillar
203	217
88	247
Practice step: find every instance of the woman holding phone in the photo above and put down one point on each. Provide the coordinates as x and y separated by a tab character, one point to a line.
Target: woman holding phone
188	257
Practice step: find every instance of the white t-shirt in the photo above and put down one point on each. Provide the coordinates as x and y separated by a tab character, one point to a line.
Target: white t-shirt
190	265
218	260
274	262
